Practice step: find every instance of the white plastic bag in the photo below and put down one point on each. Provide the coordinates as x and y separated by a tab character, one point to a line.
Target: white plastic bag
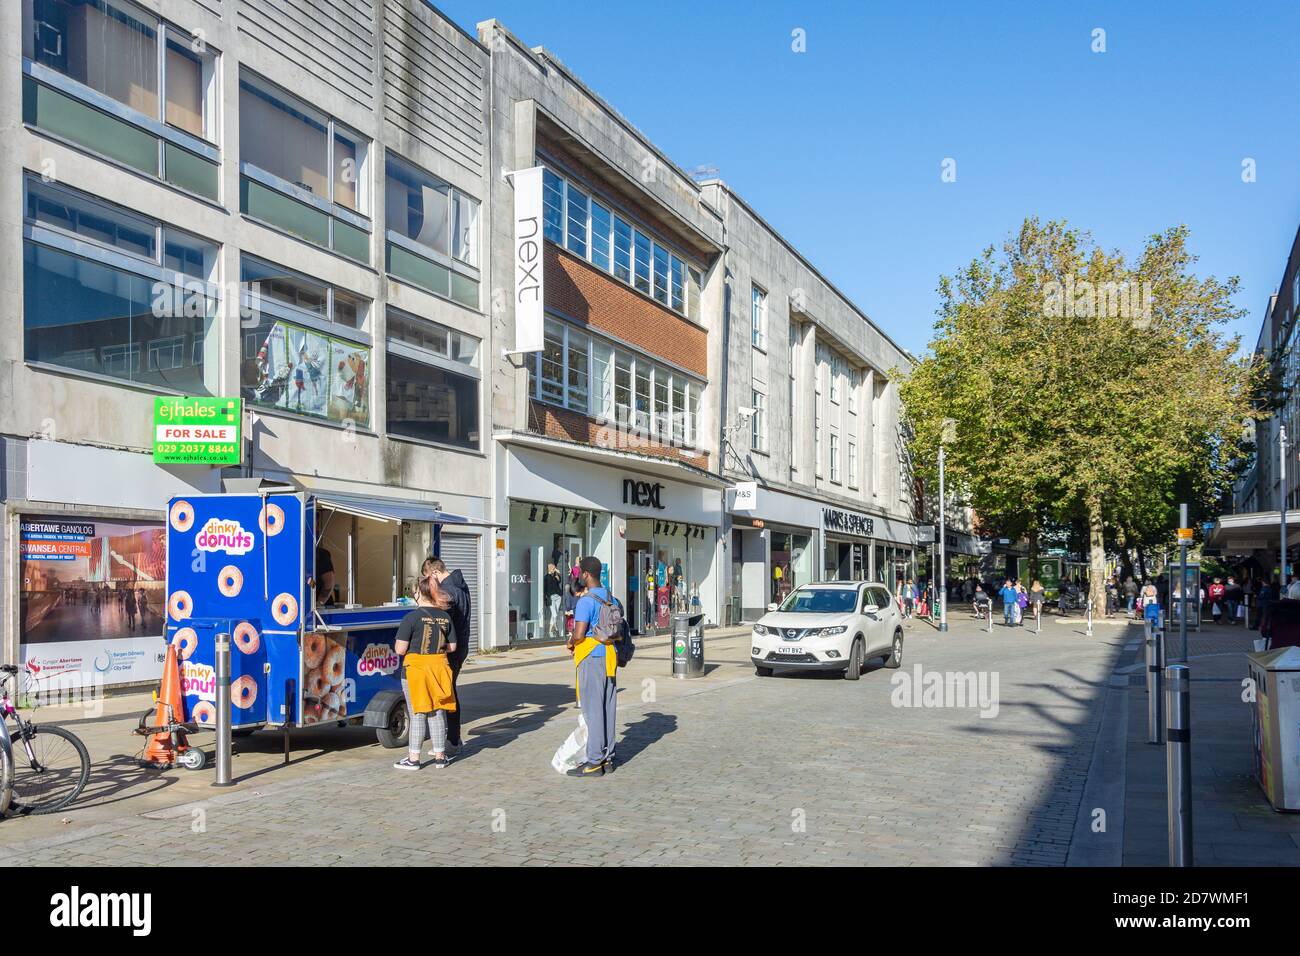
573	751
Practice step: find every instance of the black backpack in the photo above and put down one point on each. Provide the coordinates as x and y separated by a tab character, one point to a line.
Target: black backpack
612	617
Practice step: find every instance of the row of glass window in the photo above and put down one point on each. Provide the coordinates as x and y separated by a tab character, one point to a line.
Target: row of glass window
97	67
590	376
590	229
113	293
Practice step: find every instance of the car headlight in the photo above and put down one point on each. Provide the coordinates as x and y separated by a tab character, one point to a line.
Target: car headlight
760	629
830	631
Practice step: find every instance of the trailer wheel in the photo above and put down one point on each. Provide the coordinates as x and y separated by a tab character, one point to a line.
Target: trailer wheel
394	735
192	759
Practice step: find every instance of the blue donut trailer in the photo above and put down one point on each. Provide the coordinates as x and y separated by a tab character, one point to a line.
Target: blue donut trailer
245	564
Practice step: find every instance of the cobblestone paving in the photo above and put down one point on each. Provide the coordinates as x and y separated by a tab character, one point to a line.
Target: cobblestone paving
736	770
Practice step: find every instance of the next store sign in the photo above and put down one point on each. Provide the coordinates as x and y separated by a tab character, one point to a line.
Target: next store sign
197	431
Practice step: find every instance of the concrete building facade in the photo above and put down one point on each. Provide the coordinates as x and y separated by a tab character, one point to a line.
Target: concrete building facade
313	210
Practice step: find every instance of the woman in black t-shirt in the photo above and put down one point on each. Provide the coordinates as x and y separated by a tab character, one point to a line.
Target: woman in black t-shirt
424	638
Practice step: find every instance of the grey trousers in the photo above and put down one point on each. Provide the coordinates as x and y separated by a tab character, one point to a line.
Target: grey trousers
596	695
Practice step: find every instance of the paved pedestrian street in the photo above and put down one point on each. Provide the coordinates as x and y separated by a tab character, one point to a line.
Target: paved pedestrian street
727	769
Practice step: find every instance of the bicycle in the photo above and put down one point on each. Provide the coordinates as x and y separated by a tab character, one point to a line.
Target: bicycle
52	765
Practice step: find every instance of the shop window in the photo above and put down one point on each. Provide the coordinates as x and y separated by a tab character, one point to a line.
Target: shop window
547	541
94	76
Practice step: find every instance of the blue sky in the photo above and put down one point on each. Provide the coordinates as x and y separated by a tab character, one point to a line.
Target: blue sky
840	147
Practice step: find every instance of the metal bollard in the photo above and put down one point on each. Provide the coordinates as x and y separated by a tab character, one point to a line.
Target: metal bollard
1155	650
223	711
1038	617
1178	756
1090	617
990	613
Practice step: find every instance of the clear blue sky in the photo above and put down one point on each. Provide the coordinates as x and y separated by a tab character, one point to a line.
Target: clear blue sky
840	147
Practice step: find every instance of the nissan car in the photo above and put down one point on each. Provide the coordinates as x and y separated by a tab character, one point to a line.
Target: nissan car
834	626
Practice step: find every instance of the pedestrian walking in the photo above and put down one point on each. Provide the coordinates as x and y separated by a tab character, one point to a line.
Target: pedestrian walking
909	598
553	591
1234	597
456	588
129	607
1130	593
1037	598
1008	595
425	640
1216	599
597	625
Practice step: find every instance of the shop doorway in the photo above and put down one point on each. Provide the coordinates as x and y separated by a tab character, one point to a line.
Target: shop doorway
639	599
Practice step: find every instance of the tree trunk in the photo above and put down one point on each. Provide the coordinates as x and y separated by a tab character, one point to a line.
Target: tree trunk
1142	562
1096	558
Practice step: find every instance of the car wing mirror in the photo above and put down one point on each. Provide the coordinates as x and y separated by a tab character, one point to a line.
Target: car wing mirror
870	609
771	607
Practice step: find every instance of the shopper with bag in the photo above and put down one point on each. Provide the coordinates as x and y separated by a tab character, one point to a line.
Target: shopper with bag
598	626
1216	599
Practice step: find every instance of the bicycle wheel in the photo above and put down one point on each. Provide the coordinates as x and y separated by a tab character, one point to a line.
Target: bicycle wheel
61	771
6	781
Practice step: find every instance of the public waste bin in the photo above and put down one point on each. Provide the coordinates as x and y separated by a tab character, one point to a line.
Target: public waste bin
1275	723
688	645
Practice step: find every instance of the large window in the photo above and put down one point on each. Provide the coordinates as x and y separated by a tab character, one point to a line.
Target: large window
303	171
587	227
588	375
307	350
115	78
432	233
853	464
835	457
758	318
432	382
758	424
111	292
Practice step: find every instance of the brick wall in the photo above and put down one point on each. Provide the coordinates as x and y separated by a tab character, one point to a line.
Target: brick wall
596	299
567	425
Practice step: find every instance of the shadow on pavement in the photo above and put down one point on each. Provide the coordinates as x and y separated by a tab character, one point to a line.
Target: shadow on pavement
526	707
643	734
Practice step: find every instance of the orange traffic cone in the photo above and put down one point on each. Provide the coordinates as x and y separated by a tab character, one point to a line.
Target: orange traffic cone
160	751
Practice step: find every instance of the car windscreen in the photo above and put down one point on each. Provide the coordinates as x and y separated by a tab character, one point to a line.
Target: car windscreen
821	601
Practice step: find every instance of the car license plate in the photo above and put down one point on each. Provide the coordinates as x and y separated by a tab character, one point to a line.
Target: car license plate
789	650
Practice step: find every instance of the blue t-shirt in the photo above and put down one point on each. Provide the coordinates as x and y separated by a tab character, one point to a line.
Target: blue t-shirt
588	610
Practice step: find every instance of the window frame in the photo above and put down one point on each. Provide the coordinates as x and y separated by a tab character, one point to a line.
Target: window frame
660	422
758	317
361	217
615	259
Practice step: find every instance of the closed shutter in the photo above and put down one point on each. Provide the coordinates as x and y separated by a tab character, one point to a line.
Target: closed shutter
460	551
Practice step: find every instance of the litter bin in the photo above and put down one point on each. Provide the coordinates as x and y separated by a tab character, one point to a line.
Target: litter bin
688	645
1275	723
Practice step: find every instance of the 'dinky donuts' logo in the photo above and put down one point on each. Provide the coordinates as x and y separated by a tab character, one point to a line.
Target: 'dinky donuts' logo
198	680
377	659
228	535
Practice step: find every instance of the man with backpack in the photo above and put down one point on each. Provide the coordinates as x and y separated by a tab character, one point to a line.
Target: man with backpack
599	628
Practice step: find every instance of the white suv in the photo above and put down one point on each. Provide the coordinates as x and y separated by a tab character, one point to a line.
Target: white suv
830	626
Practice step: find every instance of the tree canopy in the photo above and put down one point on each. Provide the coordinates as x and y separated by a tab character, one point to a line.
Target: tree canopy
1082	385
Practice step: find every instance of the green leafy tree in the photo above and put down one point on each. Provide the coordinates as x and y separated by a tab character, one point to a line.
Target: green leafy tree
1083	386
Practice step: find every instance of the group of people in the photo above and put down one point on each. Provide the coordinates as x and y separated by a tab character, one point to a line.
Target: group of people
433	642
1017	600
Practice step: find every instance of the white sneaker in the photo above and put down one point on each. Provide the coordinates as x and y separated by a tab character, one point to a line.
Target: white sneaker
406	763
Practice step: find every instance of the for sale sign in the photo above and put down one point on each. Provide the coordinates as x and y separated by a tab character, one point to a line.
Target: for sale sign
197	431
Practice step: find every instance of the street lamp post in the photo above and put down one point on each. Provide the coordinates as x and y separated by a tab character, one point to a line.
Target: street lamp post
1281	438
947	434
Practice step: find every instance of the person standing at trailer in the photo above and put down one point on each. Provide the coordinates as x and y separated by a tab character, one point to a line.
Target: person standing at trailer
425	640
454	585
596	662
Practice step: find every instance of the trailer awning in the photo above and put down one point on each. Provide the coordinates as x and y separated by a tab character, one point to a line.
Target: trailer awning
387	509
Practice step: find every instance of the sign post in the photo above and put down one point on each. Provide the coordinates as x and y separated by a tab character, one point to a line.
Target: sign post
197	431
1184	539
